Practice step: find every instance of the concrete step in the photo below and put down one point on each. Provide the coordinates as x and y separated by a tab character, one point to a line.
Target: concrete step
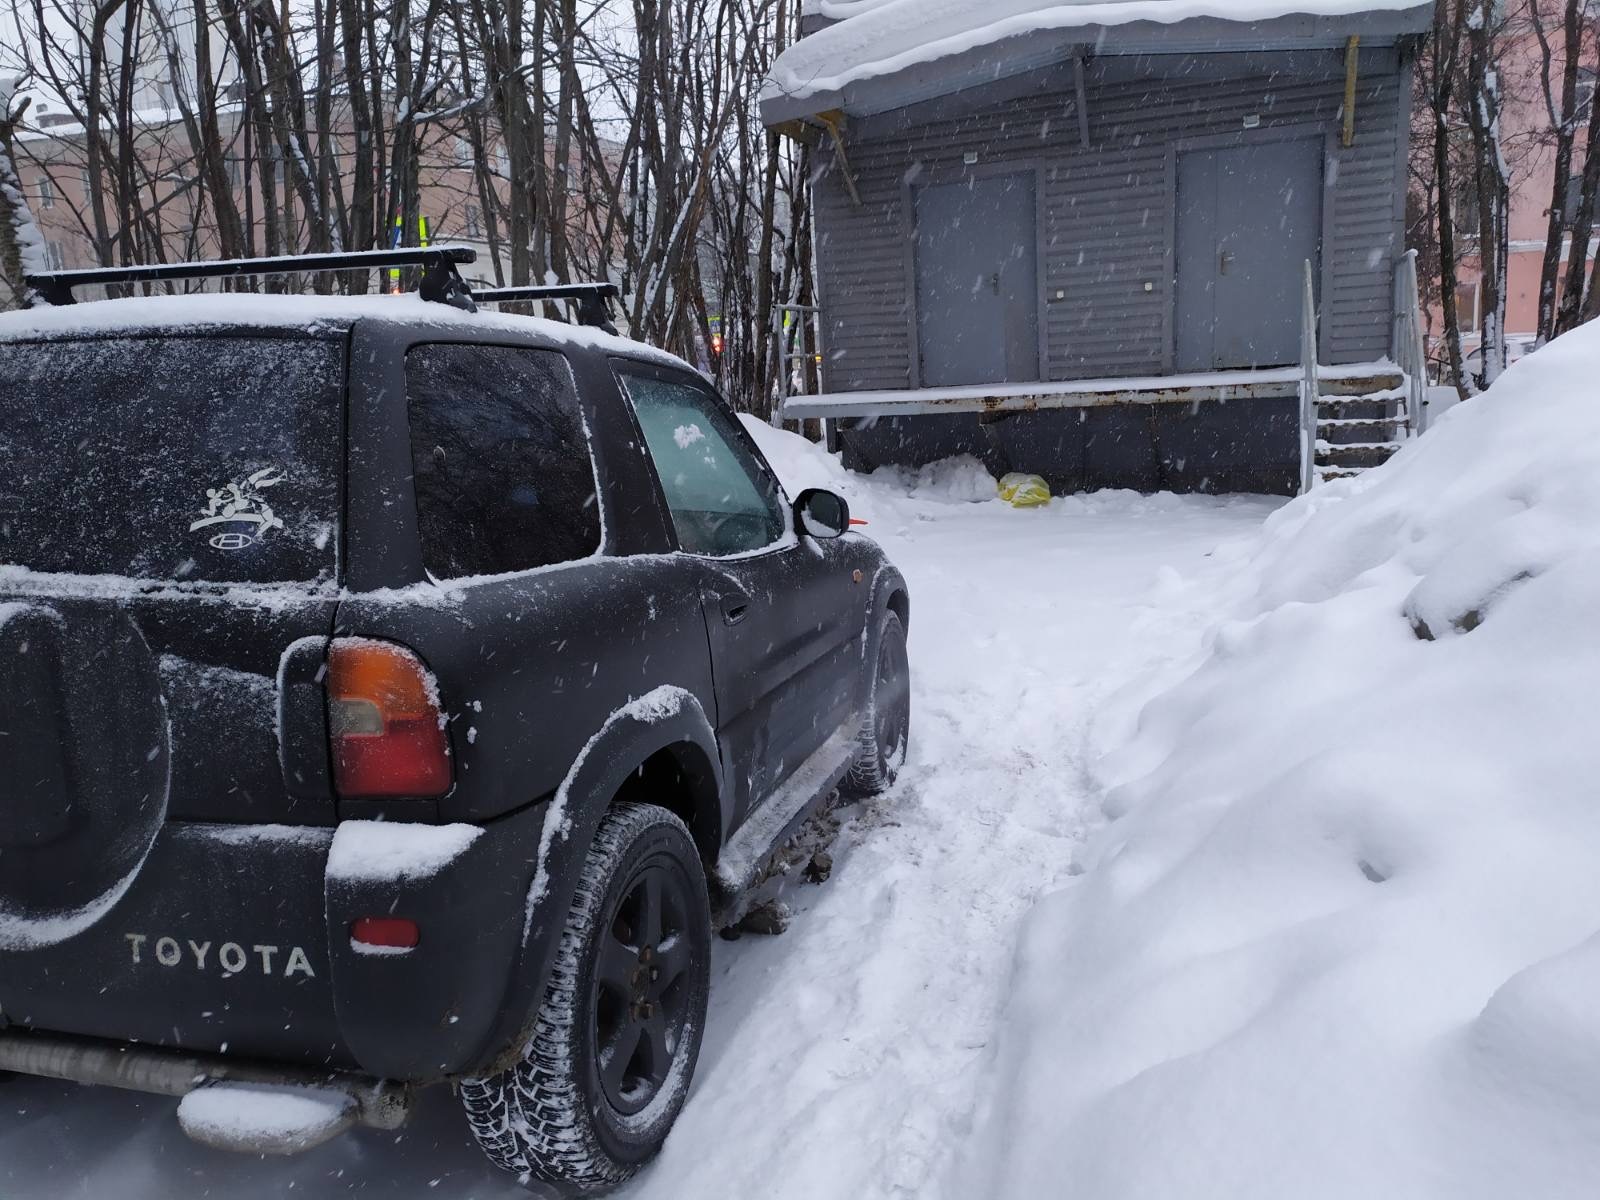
1361	385
1345	431
1354	408
1360	455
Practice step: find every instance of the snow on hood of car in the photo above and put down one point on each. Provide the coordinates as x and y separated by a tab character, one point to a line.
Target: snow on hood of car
880	37
312	314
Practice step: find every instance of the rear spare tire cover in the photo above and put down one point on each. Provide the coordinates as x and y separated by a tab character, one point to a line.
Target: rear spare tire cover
85	761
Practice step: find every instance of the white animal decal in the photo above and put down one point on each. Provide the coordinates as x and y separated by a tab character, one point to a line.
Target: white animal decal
240	503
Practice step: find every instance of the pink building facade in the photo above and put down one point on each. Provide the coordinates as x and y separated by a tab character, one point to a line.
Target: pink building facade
1527	145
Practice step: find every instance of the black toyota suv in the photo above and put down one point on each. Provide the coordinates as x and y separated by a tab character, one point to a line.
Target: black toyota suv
396	693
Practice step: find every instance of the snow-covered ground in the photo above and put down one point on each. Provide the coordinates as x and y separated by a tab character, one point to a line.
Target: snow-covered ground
1344	939
1244	851
847	1057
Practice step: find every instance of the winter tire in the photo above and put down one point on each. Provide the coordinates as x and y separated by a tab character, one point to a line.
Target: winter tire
606	1070
886	728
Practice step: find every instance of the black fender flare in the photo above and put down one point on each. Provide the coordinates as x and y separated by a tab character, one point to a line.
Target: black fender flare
668	718
889	590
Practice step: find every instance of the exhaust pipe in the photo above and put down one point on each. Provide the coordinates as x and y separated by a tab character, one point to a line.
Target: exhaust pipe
220	1094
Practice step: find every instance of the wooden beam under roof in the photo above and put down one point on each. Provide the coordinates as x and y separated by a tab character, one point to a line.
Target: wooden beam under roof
833	121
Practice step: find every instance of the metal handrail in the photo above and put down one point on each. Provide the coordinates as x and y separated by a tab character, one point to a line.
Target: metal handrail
805	313
1308	386
1410	342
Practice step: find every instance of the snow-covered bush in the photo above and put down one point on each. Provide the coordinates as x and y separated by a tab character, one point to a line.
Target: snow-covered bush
1343	936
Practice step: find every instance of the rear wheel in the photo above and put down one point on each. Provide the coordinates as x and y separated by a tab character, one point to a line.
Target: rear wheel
886	727
606	1071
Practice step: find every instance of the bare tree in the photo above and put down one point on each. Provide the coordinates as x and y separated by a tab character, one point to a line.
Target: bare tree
21	247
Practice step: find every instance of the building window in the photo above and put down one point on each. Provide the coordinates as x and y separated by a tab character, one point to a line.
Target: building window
54	256
474	222
47	192
1467	307
88	191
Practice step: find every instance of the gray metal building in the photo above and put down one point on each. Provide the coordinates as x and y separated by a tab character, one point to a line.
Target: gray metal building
1081	250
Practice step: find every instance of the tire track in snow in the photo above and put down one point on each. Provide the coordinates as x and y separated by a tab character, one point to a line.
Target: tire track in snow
847	1057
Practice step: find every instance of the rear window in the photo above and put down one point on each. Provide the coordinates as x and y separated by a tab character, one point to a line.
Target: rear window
172	458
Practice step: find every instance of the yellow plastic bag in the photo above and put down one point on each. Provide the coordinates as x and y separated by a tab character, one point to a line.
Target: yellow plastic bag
1024	491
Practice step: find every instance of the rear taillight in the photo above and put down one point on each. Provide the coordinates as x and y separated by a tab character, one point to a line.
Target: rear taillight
385	722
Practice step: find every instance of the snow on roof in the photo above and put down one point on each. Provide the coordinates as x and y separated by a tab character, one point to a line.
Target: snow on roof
880	37
212	311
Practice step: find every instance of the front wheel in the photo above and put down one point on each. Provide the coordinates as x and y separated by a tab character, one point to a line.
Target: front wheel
886	727
607	1069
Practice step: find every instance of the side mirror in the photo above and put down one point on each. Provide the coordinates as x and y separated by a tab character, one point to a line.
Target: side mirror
821	514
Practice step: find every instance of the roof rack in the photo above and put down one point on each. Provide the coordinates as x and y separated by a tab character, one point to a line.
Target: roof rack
594	299
441	282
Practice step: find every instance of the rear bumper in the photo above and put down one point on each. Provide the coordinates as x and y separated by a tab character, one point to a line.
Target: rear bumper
233	942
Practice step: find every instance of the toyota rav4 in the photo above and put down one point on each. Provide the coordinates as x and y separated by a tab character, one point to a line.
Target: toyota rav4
393	694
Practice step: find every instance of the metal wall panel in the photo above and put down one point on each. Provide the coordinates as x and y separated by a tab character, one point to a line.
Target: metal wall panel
1108	211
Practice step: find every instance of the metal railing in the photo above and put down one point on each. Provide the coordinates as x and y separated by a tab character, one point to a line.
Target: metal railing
798	339
1410	342
1308	386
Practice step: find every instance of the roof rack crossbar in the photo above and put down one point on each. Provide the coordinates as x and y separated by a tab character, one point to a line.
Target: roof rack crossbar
440	281
594	299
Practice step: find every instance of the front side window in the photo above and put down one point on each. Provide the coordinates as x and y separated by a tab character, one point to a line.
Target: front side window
183	459
722	499
503	474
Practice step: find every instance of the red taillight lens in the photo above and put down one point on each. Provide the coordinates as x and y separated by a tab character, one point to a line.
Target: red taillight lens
386	724
385	933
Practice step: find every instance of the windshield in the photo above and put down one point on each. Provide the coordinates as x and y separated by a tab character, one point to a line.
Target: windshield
172	458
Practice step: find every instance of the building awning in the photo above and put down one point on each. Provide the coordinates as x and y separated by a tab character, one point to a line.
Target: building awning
879	55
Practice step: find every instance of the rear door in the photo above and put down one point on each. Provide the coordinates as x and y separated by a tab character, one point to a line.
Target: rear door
781	614
170	539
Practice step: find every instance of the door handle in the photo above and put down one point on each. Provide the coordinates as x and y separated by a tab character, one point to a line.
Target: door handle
735	610
1223	262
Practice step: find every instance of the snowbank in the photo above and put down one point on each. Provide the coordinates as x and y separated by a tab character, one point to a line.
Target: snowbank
1343	937
881	37
801	464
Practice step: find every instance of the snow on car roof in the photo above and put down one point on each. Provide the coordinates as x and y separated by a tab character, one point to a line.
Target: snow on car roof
212	311
880	37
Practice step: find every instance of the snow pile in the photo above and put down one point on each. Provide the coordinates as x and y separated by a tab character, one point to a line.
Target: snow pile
1344	938
263	1118
881	37
962	479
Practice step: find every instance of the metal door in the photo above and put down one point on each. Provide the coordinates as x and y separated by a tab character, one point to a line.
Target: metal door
1248	219
976	250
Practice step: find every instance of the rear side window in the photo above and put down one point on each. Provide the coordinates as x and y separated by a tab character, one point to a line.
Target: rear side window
504	478
213	459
